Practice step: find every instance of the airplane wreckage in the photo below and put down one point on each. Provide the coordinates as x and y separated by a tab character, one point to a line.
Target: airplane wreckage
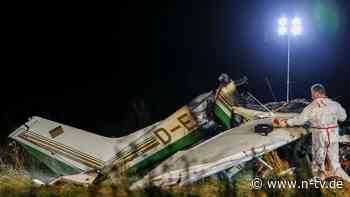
218	131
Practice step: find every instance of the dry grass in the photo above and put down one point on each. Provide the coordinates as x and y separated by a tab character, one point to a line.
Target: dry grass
22	186
14	181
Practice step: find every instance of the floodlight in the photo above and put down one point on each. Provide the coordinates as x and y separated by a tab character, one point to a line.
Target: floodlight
283	21
282	30
285	27
296	27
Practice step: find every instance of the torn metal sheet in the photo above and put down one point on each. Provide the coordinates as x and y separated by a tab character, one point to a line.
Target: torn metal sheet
221	152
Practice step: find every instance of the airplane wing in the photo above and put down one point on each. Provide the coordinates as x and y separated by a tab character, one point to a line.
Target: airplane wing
228	149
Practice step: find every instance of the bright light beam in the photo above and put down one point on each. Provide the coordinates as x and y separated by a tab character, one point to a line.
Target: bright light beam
283	21
286	28
296	27
282	26
282	30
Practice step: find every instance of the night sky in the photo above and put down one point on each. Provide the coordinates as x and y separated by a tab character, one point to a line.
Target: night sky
163	54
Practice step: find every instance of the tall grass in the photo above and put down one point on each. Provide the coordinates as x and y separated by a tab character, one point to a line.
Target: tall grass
16	181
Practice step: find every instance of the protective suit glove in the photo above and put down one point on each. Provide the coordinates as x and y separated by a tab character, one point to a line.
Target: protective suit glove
279	123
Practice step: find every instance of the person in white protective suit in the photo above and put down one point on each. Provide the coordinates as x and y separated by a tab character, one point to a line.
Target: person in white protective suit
323	114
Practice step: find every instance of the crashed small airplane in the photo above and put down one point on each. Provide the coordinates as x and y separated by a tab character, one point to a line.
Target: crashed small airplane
217	131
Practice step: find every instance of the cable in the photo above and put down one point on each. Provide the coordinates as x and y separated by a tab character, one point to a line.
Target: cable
272	114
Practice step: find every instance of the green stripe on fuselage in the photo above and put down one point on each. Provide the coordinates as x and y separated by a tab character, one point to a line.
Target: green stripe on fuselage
220	113
185	141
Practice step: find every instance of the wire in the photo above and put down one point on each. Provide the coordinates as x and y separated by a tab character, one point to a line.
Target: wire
262	105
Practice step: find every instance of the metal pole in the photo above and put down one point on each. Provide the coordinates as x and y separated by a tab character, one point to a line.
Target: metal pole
288	66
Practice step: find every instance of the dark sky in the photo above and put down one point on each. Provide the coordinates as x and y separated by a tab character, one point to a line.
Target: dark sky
164	53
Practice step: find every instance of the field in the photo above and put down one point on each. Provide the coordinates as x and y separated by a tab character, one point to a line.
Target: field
15	181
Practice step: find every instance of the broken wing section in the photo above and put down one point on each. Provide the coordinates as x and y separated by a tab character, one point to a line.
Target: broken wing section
228	149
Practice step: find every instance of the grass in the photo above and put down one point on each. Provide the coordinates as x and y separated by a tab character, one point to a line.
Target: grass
16	181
